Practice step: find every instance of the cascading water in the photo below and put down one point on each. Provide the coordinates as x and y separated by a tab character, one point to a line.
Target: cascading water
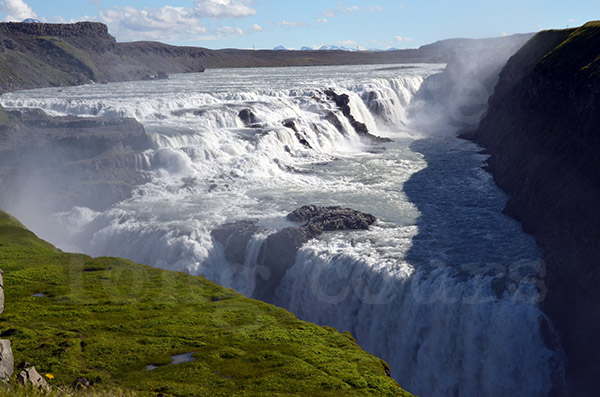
443	287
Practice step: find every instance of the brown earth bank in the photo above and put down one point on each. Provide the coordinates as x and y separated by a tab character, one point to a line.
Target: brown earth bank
542	130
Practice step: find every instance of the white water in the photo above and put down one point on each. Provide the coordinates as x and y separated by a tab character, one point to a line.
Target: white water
443	286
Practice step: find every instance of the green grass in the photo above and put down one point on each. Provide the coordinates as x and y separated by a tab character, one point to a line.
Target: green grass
68	52
579	52
21	71
106	319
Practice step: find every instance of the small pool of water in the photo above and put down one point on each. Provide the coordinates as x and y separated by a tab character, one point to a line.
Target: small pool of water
178	359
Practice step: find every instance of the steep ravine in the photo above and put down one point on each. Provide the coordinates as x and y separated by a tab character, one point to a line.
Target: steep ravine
542	131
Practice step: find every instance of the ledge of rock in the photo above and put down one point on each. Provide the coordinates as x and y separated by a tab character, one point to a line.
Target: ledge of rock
6	360
278	253
98	161
342	101
31	376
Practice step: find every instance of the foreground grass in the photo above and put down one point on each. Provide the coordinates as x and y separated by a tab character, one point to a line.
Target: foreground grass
106	319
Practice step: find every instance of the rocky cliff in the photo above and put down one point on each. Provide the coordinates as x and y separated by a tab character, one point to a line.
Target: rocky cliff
69	160
542	130
40	54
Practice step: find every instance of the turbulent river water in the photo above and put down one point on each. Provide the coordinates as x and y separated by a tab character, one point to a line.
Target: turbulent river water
444	287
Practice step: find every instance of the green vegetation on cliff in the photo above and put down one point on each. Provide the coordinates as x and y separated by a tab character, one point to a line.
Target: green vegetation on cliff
107	319
578	52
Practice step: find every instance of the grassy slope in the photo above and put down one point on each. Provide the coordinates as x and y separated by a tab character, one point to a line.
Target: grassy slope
578	52
107	318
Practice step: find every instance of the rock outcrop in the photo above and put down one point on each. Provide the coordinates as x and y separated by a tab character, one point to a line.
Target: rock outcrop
7	363
542	130
30	376
234	237
342	101
43	54
278	252
70	160
247	117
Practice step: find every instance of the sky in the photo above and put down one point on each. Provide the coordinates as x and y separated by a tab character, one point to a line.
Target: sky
265	24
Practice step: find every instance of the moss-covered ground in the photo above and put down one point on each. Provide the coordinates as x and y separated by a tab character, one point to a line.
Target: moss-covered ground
580	51
106	319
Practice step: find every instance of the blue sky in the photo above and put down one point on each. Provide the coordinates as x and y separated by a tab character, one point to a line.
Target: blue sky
293	24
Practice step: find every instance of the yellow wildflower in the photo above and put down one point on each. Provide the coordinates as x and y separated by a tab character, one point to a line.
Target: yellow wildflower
49	376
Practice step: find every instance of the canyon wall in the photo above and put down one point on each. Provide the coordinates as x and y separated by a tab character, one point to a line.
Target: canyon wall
542	130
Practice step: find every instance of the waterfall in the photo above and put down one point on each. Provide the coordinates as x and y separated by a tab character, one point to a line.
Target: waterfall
443	287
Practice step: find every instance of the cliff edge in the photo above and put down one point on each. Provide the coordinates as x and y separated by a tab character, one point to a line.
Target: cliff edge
542	130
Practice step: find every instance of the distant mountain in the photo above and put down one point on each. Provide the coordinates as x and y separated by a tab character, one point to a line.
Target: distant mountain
280	48
336	48
31	20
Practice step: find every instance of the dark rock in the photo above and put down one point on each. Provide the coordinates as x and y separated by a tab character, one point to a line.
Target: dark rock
542	131
323	219
303	141
291	124
234	238
81	383
278	253
343	103
24	364
247	117
335	121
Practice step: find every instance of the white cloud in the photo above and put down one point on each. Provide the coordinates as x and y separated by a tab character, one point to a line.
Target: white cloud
372	8
175	23
341	9
257	28
166	23
348	43
324	20
230	31
223	8
571	20
292	24
401	39
17	10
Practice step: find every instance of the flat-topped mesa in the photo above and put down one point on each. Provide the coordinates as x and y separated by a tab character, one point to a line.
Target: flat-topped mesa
94	30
